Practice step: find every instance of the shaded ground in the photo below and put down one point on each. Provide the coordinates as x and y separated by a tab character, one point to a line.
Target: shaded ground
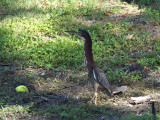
48	87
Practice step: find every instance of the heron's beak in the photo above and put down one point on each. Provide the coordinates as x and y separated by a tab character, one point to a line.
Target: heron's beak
73	32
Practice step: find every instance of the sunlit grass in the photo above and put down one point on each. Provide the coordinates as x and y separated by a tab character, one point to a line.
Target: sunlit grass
28	34
13	111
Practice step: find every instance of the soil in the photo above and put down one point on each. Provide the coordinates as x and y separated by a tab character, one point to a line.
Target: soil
49	87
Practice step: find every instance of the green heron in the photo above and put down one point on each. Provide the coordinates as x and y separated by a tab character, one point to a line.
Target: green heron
95	75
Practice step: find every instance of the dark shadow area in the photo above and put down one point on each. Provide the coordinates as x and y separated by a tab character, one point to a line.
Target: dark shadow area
48	105
61	103
154	4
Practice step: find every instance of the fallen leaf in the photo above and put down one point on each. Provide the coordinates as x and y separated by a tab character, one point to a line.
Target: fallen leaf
108	14
156	36
145	67
129	36
114	29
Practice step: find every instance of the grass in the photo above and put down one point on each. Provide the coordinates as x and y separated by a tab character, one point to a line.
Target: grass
33	34
39	38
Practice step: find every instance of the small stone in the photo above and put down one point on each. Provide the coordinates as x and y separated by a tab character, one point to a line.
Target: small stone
75	97
43	73
130	105
5	83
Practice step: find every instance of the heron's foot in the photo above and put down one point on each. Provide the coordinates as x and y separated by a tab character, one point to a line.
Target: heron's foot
94	98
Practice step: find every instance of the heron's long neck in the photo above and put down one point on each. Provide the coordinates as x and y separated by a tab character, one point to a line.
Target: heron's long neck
88	56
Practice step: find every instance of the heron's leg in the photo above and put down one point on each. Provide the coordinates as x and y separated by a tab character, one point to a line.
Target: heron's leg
95	85
94	98
96	95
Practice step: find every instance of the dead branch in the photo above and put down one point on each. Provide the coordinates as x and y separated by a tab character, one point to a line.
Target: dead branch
116	6
143	99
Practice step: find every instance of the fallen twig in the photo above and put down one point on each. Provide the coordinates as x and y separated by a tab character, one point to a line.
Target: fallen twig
142	99
116	6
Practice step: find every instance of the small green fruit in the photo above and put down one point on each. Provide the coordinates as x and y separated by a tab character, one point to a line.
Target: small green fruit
22	88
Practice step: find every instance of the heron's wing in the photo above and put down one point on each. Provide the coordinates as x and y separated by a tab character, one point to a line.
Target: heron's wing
100	78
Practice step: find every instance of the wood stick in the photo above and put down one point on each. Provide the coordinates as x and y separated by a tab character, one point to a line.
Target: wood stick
146	98
141	99
116	6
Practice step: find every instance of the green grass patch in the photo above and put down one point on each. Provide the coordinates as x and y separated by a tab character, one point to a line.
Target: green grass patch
34	35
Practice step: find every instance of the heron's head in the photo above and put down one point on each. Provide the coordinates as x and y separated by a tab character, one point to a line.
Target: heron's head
83	33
